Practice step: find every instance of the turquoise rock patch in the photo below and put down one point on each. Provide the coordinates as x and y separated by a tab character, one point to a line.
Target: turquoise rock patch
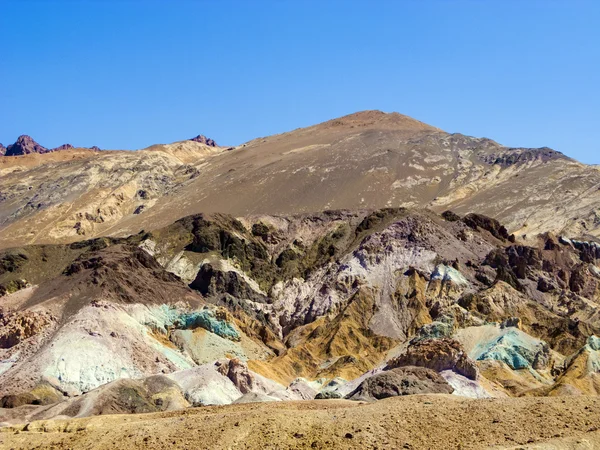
515	349
206	319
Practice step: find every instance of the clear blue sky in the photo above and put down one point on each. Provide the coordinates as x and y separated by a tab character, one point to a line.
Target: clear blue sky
121	74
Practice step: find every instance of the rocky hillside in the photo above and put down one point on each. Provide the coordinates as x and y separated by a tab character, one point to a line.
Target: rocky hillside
367	160
72	194
364	305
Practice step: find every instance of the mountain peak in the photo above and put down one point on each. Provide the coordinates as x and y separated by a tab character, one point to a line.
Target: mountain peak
24	146
63	147
379	119
204	140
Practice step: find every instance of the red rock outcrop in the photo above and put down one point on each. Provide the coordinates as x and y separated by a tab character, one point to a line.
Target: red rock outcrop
24	146
238	373
204	140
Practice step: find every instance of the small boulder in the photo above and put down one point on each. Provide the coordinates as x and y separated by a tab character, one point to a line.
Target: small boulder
450	216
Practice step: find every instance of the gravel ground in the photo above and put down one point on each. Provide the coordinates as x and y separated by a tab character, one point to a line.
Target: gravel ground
413	422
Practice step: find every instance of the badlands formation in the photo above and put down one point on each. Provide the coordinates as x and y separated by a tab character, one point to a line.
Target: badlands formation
371	281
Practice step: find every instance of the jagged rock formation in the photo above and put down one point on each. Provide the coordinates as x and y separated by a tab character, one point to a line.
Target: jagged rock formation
303	306
367	160
204	140
24	146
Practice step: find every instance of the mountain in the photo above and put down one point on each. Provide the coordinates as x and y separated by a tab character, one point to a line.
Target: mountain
2	150
24	146
366	160
349	261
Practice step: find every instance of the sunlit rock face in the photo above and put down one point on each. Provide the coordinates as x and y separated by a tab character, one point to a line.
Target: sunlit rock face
337	304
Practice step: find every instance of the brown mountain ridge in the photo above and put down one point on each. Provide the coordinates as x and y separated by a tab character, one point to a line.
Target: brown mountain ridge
365	160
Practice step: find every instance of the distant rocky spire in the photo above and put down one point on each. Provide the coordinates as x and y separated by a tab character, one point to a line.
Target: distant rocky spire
24	146
204	140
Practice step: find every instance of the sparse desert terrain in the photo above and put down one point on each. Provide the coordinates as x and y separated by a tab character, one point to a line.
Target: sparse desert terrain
368	282
413	422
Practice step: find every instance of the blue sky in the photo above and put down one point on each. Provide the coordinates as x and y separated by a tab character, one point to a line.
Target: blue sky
121	74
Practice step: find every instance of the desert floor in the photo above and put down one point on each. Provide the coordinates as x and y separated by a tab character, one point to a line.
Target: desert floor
428	422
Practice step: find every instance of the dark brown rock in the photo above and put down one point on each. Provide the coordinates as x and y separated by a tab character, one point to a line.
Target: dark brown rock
479	221
546	285
213	282
401	381
24	146
204	140
438	355
523	259
517	156
450	216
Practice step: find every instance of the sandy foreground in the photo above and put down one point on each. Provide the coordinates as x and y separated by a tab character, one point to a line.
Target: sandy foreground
414	422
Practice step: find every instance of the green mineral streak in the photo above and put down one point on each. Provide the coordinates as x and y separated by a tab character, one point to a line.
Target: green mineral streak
204	318
512	349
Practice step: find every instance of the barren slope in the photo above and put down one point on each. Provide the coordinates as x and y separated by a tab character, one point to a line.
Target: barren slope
70	195
365	160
